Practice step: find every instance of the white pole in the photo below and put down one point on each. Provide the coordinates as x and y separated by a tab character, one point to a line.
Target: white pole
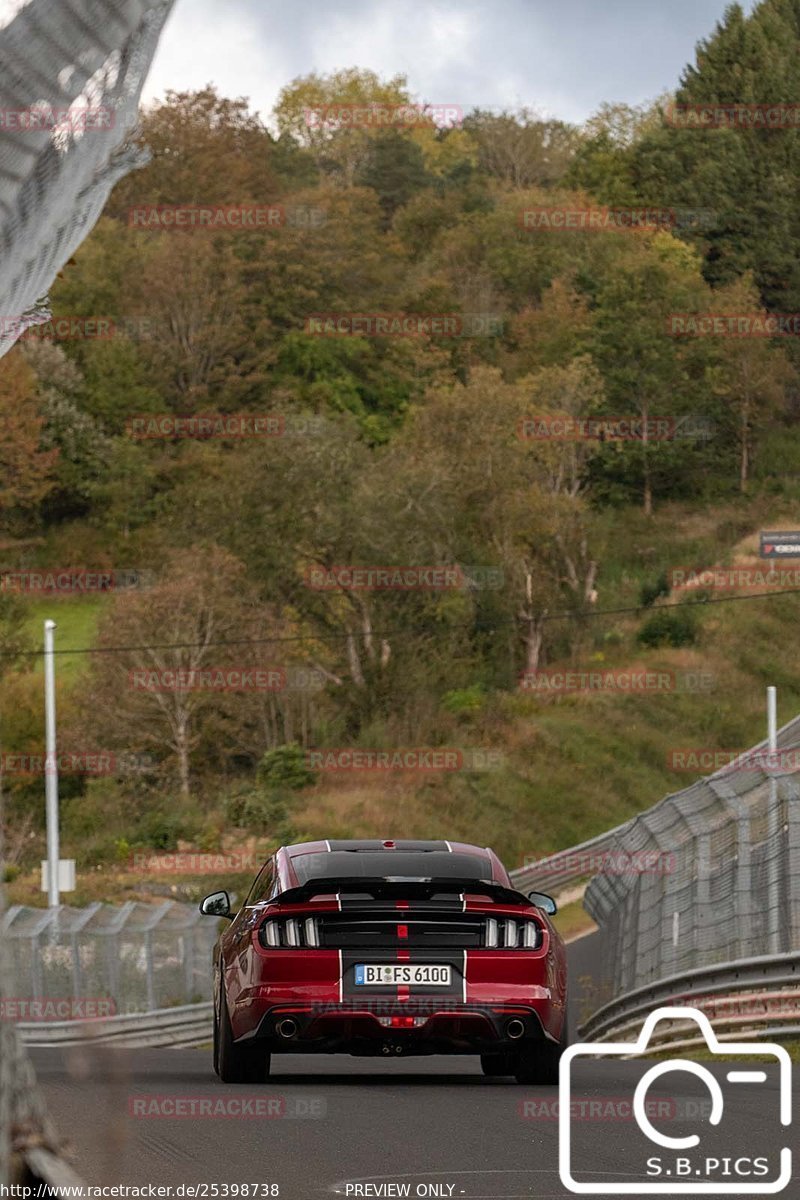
772	718
51	766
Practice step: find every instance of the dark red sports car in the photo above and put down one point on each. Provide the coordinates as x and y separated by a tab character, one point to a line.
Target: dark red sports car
388	948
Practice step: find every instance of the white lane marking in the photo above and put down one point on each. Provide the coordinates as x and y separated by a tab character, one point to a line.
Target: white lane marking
327	844
449	847
339	900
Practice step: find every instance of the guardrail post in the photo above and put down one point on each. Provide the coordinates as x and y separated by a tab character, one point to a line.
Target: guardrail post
702	891
148	953
791	794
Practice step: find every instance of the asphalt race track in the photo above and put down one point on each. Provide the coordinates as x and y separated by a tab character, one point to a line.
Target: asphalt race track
356	1127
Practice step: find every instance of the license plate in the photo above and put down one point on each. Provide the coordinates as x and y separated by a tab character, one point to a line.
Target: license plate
380	975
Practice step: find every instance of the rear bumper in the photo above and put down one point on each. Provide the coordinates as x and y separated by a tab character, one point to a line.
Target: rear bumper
399	1028
318	992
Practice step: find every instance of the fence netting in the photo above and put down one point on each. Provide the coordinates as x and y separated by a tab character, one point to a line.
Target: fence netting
708	875
71	75
108	959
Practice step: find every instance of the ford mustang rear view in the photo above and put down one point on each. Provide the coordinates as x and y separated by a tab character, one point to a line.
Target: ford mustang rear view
388	948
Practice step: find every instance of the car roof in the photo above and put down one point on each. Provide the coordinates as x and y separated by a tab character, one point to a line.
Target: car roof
387	844
495	869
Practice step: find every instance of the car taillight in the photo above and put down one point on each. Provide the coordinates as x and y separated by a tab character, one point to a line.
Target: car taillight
289	933
508	934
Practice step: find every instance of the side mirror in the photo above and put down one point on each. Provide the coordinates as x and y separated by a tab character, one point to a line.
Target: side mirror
544	902
218	904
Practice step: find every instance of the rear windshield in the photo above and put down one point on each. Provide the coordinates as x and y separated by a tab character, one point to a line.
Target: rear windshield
390	864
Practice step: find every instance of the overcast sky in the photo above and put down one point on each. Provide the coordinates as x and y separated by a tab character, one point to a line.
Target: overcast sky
562	57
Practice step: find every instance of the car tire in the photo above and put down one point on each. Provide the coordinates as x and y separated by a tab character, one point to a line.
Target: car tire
494	1065
539	1062
234	1063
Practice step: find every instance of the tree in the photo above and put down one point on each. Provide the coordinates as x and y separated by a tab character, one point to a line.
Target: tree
746	175
754	373
82	446
394	167
494	498
166	633
316	111
204	149
27	471
647	372
520	149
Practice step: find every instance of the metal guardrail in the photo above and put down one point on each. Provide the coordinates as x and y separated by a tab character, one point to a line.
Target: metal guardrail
753	983
188	1025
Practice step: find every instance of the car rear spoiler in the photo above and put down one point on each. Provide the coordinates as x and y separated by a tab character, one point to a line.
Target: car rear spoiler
400	889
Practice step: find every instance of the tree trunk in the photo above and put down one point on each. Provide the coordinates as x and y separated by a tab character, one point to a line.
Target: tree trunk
533	647
182	749
744	462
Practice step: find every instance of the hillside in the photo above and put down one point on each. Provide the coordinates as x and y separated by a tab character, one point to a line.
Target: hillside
386	426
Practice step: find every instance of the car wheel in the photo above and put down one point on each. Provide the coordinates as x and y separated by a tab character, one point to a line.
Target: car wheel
538	1062
249	1063
497	1064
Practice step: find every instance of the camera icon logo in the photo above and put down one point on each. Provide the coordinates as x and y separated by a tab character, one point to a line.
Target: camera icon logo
678	1171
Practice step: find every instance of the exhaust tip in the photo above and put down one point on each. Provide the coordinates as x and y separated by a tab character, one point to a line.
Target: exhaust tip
515	1029
286	1028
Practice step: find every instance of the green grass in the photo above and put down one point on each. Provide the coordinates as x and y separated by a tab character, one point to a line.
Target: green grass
572	920
76	620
